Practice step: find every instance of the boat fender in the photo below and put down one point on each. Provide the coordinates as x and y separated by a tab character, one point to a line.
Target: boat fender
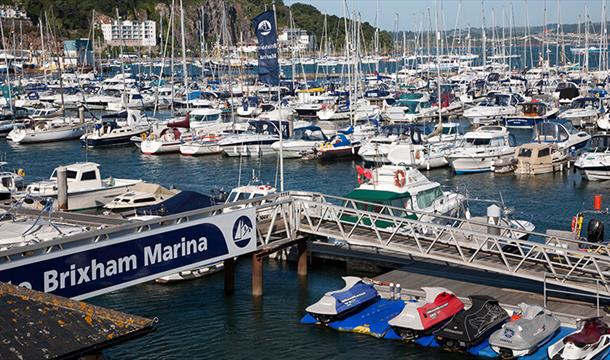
21	172
400	178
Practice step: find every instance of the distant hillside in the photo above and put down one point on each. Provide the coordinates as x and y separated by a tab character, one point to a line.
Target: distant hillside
72	18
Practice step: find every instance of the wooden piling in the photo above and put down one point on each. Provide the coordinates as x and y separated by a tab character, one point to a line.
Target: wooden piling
302	258
257	275
62	188
229	271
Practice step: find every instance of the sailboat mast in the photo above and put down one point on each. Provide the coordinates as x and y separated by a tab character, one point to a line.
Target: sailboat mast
184	65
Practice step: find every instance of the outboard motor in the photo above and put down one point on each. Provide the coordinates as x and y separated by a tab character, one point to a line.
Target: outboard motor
595	231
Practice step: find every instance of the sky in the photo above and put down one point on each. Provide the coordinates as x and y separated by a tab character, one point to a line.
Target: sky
411	12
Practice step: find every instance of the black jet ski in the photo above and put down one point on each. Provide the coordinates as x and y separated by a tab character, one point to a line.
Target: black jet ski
471	326
530	327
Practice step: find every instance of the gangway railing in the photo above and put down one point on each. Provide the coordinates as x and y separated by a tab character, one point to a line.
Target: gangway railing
576	294
458	241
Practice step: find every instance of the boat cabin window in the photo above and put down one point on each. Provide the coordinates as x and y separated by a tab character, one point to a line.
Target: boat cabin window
426	198
89	175
144	200
497	141
70	174
235	197
544	152
525	152
478	142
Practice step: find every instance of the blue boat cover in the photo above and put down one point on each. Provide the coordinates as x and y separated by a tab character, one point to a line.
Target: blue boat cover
354	296
373	320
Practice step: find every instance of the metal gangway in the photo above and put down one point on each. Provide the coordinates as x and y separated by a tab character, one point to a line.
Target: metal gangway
285	217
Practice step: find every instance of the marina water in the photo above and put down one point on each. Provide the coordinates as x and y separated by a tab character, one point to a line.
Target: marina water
196	319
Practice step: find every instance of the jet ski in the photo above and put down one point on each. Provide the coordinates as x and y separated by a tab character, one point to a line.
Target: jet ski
335	305
528	329
427	314
470	327
589	341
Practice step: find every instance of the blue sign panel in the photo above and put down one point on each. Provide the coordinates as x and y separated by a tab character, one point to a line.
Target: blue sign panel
266	33
109	265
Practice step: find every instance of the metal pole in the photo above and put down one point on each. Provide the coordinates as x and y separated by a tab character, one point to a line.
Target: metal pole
279	107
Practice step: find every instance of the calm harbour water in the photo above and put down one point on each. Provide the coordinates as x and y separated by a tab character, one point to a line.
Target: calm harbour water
196	319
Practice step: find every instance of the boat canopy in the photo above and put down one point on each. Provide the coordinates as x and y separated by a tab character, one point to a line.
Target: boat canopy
600	142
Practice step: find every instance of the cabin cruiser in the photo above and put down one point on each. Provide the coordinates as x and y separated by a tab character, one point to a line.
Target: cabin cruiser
206	119
540	158
376	149
256	141
303	141
109	132
411	108
406	189
309	110
140	195
481	148
338	109
86	188
564	135
250	107
584	111
253	190
495	106
59	129
101	100
531	113
446	132
421	156
595	162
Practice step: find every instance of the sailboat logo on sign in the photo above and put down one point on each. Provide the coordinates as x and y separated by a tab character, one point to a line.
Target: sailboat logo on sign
242	231
264	27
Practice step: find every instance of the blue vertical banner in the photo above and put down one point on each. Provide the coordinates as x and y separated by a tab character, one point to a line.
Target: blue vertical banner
266	33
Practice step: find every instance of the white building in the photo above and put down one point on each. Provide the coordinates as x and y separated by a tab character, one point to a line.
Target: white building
10	12
302	39
130	33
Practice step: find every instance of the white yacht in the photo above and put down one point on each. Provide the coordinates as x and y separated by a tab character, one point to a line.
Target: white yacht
494	107
481	148
564	135
10	182
140	195
377	148
86	188
256	141
303	140
595	162
583	111
421	156
110	132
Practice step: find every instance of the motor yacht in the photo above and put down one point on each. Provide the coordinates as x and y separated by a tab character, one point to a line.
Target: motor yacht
481	148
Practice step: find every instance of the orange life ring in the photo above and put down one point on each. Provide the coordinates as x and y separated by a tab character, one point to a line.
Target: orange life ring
400	178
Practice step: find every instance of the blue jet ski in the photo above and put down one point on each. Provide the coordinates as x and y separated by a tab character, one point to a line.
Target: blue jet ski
335	305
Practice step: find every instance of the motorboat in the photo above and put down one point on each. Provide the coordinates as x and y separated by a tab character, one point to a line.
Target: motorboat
109	132
337	147
250	107
530	327
588	342
446	132
339	109
303	141
253	190
406	189
206	144
191	274
168	141
140	195
376	149
531	113
60	129
421	156
473	325
428	314
583	111
86	188
595	162
411	107
481	148
206	120
256	141
495	106
562	134
334	305
540	158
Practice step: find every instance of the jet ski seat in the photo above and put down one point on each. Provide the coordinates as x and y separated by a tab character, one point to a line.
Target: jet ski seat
590	334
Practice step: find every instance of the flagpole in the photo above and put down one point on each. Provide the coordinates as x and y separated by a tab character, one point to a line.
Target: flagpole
280	130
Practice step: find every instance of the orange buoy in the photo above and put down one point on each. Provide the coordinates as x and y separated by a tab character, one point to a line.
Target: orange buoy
597	202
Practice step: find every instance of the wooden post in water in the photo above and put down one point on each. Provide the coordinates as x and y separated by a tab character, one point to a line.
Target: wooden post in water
229	270
257	275
62	188
302	258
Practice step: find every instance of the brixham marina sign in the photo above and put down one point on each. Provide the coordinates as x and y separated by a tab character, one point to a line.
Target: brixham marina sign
98	268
